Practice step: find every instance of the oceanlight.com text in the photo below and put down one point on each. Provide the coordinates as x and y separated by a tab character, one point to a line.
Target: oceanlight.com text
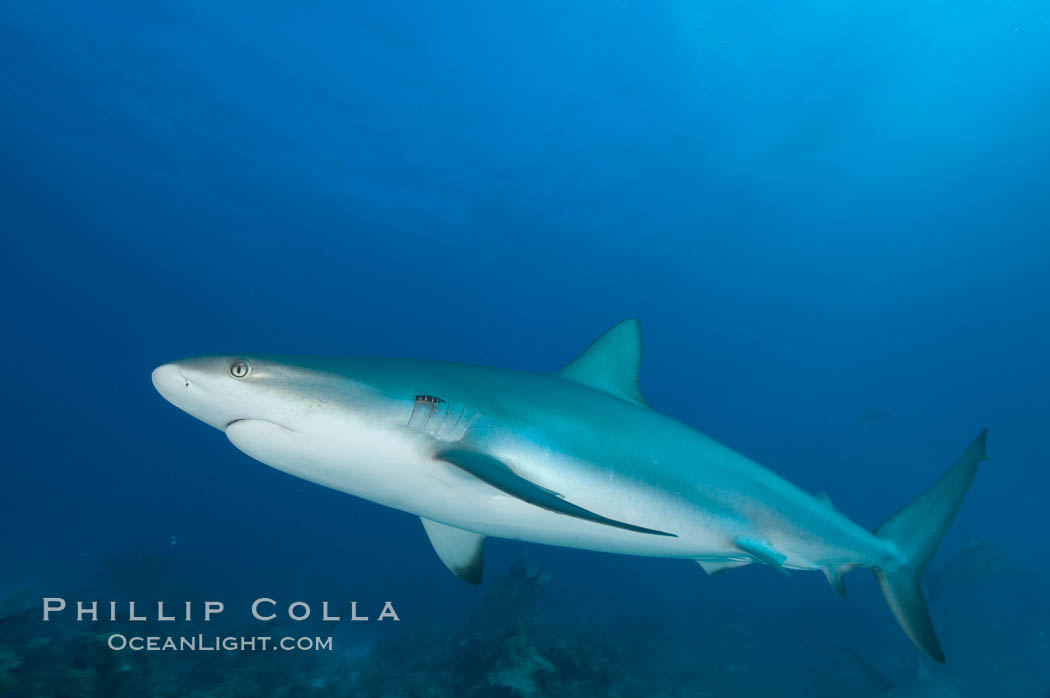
217	643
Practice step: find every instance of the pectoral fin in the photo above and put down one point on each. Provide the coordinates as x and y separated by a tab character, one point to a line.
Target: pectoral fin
496	473
460	550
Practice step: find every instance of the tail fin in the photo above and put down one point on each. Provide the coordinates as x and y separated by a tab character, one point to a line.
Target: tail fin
917	530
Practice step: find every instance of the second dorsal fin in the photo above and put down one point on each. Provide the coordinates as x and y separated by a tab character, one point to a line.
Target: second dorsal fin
611	363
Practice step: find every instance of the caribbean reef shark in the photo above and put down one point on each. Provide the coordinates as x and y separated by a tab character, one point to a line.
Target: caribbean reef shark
576	458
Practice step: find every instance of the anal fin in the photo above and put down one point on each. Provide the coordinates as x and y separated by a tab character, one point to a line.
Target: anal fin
834	575
460	550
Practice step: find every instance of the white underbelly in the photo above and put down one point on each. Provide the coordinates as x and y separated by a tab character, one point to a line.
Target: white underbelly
464	501
397	472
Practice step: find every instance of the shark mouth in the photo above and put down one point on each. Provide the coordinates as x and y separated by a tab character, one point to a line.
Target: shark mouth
246	420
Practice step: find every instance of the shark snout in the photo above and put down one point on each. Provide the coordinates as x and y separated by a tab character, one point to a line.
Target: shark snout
224	390
200	389
168	378
170	382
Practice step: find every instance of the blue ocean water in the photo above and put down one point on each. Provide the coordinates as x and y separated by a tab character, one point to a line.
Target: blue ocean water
831	219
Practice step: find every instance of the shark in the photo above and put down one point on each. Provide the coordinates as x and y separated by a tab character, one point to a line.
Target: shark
574	458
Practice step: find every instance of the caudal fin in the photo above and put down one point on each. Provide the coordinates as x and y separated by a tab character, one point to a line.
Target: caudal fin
917	530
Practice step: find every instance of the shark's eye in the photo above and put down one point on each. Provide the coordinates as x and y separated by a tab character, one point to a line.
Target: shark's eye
240	369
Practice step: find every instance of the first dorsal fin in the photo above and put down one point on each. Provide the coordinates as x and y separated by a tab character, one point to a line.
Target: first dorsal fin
611	363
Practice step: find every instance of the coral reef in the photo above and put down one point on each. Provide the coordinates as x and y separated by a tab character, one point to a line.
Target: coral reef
524	661
504	651
508	648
